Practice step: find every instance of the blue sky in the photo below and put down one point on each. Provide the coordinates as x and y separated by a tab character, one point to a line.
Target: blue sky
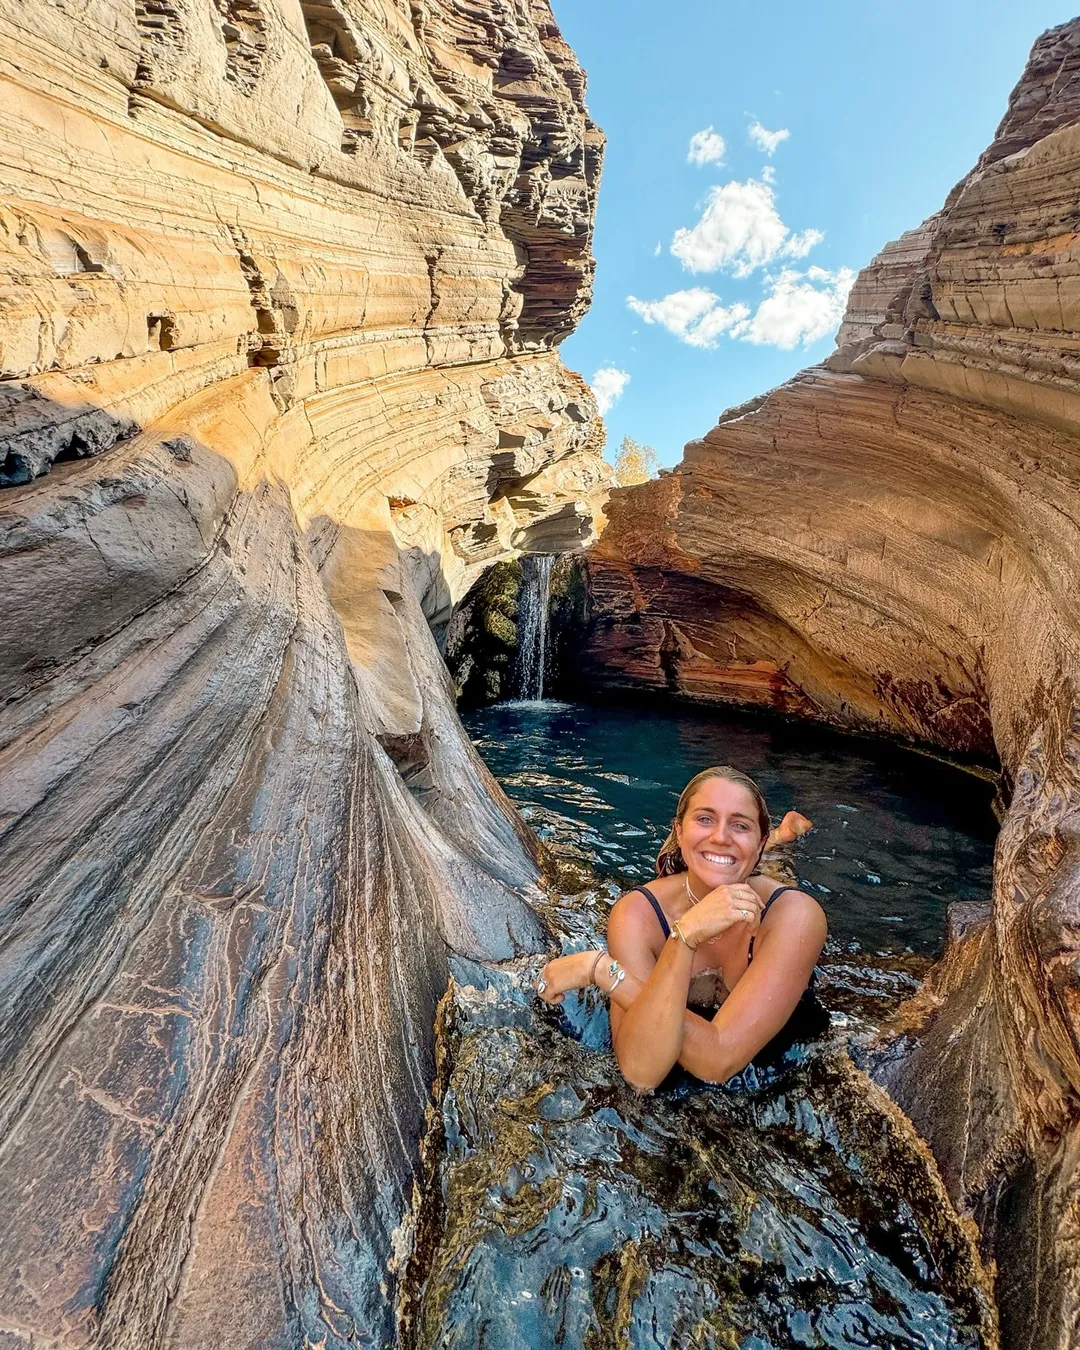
886	106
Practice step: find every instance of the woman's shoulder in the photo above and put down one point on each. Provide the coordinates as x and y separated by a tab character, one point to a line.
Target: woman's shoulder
785	897
661	888
635	907
793	907
767	887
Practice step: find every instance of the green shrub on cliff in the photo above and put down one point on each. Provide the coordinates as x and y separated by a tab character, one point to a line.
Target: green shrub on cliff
500	627
482	636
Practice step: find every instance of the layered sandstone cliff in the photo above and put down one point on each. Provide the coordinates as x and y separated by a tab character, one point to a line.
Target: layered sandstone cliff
280	290
891	542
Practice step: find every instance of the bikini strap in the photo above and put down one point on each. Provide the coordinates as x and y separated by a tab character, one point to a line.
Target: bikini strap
775	896
656	909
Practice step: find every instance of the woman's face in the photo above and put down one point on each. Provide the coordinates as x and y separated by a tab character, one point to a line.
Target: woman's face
719	835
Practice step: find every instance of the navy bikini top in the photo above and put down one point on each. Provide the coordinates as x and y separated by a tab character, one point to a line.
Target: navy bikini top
666	927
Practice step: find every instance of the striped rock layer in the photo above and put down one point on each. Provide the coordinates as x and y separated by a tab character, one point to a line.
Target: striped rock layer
281	286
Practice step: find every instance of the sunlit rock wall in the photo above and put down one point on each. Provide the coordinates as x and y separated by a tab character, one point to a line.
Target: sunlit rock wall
891	542
280	289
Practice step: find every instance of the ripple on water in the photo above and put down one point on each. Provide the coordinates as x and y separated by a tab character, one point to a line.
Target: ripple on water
897	835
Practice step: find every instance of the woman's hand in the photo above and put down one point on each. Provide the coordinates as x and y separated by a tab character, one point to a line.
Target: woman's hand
720	910
565	973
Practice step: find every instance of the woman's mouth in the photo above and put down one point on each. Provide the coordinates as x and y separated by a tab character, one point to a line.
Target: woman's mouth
720	859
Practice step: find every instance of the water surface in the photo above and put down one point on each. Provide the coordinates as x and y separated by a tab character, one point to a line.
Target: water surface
897	835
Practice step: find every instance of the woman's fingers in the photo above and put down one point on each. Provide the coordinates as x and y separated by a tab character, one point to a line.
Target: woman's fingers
543	985
556	978
550	988
722	908
746	904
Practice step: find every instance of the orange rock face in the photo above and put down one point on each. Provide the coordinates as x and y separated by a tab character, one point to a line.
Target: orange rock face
891	543
280	290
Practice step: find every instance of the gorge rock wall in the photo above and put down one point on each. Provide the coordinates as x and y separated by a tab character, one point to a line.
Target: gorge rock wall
280	291
890	542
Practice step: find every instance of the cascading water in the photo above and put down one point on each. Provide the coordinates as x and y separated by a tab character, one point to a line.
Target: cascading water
532	625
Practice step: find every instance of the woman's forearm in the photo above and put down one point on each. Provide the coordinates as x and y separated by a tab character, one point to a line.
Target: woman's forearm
642	1053
650	1035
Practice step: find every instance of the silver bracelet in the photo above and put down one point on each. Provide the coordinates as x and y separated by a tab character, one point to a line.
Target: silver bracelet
617	975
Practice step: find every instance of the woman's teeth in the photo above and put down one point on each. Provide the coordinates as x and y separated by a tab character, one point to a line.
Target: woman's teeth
720	859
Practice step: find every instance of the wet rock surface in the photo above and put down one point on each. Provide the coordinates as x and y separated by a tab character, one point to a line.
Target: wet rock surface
793	1207
482	641
889	542
280	288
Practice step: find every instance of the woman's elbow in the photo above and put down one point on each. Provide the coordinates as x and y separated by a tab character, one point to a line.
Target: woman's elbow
720	1070
642	1082
641	1077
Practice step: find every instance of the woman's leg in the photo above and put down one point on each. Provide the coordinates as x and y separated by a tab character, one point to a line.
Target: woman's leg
792	827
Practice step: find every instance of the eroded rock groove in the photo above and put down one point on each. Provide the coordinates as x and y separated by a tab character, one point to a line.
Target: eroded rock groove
259	350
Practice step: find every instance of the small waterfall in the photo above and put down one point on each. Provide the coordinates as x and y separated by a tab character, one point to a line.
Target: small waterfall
532	625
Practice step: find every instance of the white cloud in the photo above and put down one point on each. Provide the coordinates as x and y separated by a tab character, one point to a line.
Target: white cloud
800	307
656	250
740	230
695	316
799	245
766	141
768	174
706	147
608	385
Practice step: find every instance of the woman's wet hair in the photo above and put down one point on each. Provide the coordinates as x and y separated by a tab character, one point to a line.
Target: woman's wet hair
670	859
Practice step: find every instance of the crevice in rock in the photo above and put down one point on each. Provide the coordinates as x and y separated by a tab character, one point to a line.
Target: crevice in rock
243	29
347	64
412	759
86	263
34	438
276	317
163	31
434	300
669	654
161	331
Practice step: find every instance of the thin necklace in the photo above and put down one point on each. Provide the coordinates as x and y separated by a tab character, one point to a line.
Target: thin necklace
689	889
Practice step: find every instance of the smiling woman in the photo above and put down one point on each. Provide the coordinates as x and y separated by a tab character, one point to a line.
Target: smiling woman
710	964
